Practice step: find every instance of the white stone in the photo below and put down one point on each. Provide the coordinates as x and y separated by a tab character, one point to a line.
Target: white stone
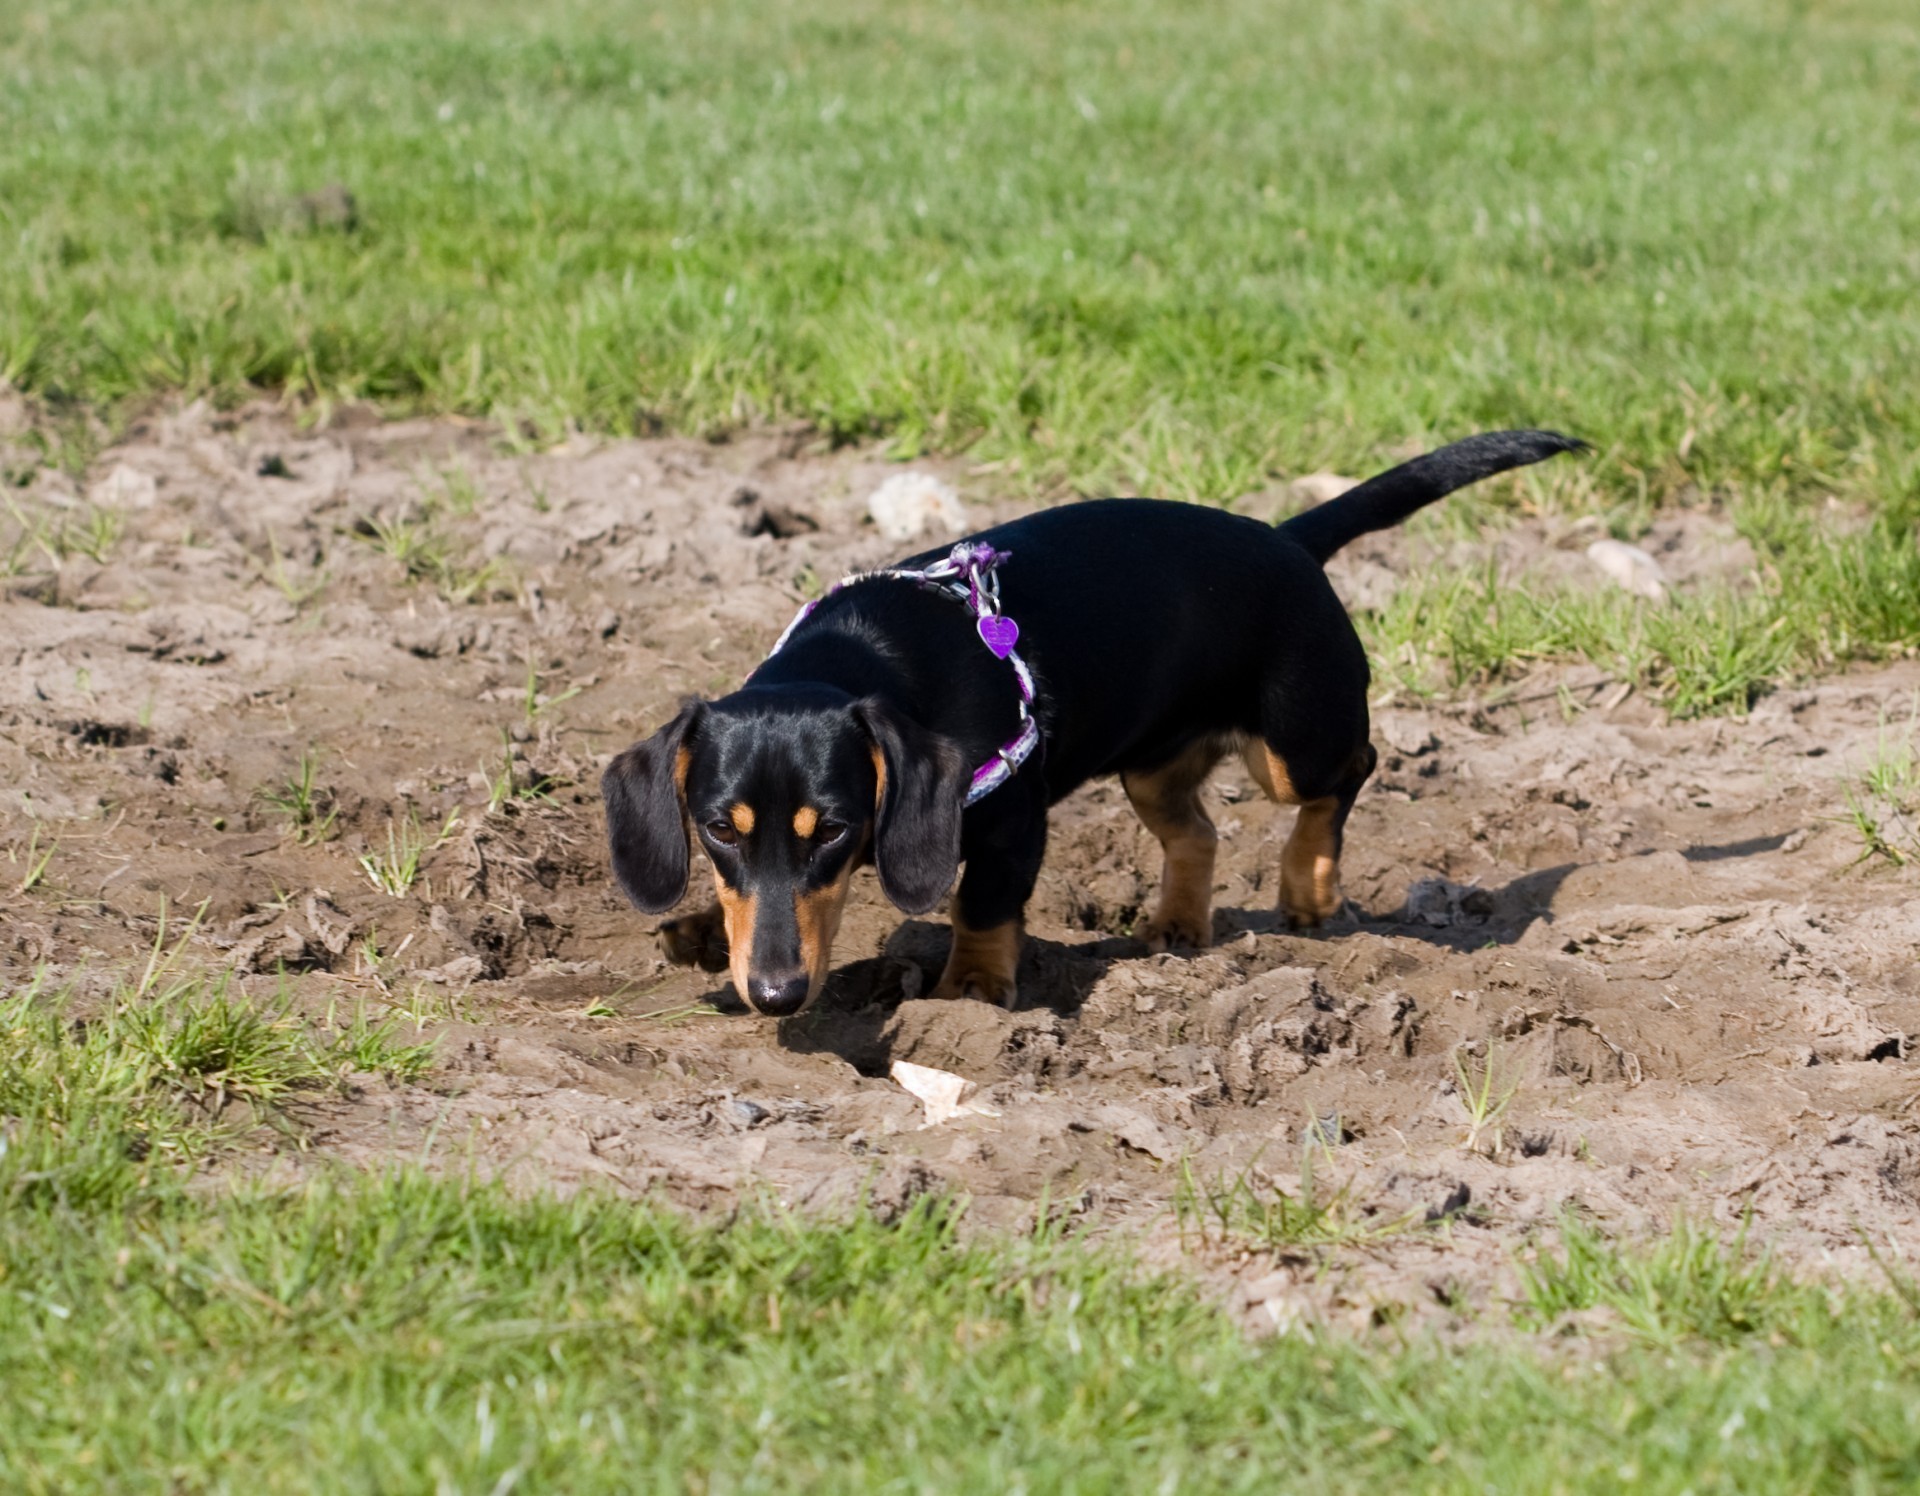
910	504
1319	488
126	487
1629	567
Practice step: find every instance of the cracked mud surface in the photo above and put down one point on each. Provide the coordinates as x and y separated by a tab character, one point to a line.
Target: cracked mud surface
1660	931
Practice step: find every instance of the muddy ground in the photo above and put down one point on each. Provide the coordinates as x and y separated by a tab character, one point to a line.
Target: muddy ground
1660	931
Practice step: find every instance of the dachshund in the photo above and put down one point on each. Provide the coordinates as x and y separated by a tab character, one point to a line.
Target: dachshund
923	718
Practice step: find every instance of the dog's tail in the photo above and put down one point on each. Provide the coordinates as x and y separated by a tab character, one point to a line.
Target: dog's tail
1390	497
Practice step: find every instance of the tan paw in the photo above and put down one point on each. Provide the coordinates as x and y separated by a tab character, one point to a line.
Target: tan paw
978	986
1165	933
697	939
1310	907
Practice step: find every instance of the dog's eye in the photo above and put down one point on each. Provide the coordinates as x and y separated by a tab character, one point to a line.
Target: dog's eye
722	832
828	832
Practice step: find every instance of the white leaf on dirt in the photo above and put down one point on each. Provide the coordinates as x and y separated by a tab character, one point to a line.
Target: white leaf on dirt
1629	567
126	487
909	504
944	1094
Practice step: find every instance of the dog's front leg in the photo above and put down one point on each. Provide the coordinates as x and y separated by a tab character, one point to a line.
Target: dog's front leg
983	962
1003	855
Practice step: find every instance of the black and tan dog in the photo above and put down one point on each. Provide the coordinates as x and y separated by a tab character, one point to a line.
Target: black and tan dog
1161	637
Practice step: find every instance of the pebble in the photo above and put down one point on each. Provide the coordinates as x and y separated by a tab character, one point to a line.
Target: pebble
909	504
1629	567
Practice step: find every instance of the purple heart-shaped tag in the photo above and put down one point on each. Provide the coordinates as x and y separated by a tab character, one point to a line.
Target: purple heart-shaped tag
999	635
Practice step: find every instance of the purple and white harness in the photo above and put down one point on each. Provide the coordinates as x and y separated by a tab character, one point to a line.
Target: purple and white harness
968	574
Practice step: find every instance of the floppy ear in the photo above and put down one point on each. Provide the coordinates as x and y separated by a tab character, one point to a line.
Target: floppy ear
645	790
923	782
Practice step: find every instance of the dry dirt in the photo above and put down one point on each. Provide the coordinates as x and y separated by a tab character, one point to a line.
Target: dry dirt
1660	930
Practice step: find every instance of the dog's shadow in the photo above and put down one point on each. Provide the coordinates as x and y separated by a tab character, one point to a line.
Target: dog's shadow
854	1017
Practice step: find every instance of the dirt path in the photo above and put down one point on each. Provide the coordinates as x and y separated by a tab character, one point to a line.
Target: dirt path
1658	930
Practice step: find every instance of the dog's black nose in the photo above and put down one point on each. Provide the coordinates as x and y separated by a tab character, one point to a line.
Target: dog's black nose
779	997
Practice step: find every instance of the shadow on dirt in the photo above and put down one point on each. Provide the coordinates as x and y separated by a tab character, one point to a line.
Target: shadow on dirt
855	1017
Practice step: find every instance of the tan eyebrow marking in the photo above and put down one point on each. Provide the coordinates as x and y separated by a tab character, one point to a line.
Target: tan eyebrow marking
742	818
805	819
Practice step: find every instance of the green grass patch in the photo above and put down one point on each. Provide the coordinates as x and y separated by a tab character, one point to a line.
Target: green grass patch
1883	795
1824	594
103	1095
163	1329
399	1333
1135	246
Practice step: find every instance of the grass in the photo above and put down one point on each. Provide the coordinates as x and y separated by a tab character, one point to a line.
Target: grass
1485	1086
1691	1285
1170	249
403	1332
510	786
1822	596
33	860
55	532
99	1095
1135	246
296	592
165	1327
395	871
425	553
535	703
1253	1207
1883	798
309	810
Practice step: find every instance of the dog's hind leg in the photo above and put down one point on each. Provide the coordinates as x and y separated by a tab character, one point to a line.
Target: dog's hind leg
1310	863
1167	800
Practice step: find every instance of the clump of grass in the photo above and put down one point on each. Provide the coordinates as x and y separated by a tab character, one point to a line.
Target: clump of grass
296	592
535	703
310	811
1821	597
97	1094
1253	1206
1883	798
1687	1285
33	860
363	1042
511	786
425	553
1485	1085
459	492
58	532
397	869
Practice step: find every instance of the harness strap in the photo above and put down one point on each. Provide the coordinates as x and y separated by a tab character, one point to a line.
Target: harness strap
969	574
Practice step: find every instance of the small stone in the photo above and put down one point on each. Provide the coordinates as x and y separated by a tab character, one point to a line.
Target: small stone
909	504
126	487
1319	488
1630	568
607	624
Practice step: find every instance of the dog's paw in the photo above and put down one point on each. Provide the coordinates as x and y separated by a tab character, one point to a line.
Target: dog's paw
1172	933
1311	914
1310	896
978	986
697	939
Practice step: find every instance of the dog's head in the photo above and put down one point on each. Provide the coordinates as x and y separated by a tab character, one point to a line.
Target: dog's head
788	790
